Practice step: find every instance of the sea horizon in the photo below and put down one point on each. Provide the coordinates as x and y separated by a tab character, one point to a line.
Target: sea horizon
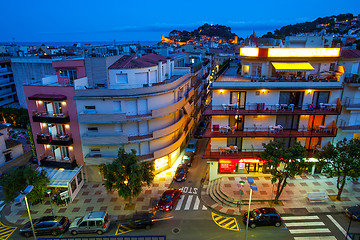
71	43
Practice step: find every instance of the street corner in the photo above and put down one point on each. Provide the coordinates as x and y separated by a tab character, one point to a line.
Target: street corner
6	231
229	223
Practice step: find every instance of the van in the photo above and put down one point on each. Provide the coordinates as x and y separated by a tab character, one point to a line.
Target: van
192	146
92	222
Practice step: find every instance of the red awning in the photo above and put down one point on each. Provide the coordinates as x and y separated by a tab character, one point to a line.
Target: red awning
49	97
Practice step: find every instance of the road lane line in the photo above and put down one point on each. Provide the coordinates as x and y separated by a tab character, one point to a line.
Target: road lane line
316	238
312	230
197	203
300	218
188	202
338	226
178	205
304	224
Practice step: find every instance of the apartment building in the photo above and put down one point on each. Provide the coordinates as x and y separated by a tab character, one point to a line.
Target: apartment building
7	85
287	94
147	105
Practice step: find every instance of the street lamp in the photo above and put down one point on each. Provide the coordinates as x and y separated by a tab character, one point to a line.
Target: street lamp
241	193
253	187
48	191
22	196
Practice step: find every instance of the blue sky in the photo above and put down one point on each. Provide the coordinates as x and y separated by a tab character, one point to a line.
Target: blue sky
78	20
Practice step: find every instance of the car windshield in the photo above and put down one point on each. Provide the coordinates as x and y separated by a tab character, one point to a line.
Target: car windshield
255	213
80	220
166	198
180	170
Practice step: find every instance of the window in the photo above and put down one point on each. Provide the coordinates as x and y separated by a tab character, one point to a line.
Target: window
95	150
65	152
89	107
73	185
8	157
58	108
83	224
63	73
72	74
93	129
332	66
98	223
79	177
256	70
91	223
121	78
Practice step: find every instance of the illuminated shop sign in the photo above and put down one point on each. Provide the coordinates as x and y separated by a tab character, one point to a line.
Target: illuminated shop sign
161	162
249	52
227	167
241	160
303	52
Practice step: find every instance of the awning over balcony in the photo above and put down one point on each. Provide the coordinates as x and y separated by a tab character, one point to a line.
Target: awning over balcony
50	97
292	67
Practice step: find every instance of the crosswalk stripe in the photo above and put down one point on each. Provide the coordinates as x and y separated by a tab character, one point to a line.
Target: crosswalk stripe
178	206
313	230
316	238
197	203
304	224
188	202
300	218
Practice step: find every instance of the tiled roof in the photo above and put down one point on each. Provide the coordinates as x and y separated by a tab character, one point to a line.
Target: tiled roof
350	53
11	143
132	61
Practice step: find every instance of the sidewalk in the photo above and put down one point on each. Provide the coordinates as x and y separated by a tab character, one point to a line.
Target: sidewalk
293	199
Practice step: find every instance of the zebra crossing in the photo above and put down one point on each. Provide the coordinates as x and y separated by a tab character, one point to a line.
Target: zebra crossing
189	202
307	228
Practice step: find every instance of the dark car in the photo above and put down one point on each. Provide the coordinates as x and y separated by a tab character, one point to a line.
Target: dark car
181	173
353	212
266	216
188	159
144	221
168	199
201	128
46	225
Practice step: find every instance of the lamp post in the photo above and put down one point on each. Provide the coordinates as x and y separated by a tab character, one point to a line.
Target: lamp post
22	196
241	193
48	191
253	187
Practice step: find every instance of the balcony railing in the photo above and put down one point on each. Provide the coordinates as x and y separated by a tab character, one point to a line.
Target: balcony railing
328	131
61	140
273	109
46	117
51	162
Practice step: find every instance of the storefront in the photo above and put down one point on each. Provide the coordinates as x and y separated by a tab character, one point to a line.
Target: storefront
231	167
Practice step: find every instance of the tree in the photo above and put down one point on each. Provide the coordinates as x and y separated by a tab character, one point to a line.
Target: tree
284	163
341	161
17	117
126	174
17	179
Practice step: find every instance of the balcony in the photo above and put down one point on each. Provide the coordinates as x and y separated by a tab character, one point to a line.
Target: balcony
59	140
104	138
97	158
322	131
273	109
140	137
45	117
51	162
352	104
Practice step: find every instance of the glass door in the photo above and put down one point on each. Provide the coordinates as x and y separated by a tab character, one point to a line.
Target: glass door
239	98
320	97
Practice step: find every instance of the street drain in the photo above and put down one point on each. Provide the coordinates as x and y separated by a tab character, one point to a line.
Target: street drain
176	230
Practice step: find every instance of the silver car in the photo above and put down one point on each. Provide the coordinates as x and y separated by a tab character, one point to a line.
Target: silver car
92	222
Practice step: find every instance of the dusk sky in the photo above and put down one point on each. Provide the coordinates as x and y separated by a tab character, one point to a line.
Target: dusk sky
71	20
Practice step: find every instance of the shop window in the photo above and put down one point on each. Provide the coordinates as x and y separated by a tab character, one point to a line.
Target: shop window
79	177
73	185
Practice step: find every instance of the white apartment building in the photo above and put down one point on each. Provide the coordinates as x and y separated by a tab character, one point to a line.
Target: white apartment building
147	106
282	93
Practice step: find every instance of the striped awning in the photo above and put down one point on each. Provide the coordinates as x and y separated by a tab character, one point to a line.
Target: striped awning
292	67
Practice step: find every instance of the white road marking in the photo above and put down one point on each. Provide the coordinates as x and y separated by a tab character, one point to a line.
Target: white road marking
316	238
300	218
188	202
204	207
178	206
312	230
197	203
338	226
304	224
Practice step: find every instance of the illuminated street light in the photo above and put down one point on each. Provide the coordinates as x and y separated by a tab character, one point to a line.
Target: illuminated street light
241	193
19	199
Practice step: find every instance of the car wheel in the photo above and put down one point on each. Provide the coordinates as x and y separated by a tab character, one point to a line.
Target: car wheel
54	233
99	232
278	224
171	207
252	225
27	234
148	227
73	232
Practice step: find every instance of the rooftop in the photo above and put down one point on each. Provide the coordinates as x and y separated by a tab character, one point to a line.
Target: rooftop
133	61
350	53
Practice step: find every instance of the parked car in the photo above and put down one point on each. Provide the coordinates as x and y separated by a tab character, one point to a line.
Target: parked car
353	212
201	128
46	225
145	221
181	173
92	222
192	146
263	217
188	159
169	199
